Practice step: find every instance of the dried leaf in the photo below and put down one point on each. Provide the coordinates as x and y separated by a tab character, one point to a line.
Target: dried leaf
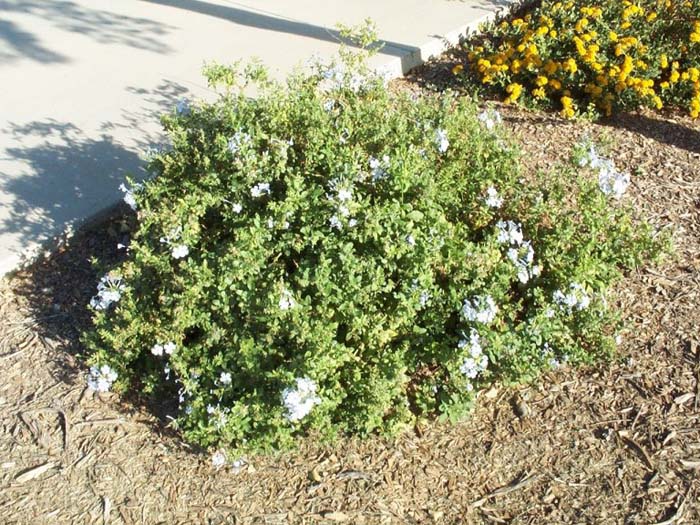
33	472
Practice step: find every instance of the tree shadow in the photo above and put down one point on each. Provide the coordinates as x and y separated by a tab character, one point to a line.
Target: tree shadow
21	43
64	178
660	129
105	27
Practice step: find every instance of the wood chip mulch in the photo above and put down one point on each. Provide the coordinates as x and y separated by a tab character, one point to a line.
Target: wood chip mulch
618	443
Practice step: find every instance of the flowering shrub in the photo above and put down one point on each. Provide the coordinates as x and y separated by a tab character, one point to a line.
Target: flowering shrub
334	257
609	55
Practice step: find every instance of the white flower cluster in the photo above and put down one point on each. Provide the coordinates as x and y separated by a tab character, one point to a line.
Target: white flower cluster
520	251
287	300
441	140
165	348
490	118
218	459
238	140
300	401
183	107
343	195
576	298
109	290
100	378
523	257
480	309
424	297
218	415
493	199
177	249
379	168
329	105
477	361
260	189
610	181
509	232
338	77
129	195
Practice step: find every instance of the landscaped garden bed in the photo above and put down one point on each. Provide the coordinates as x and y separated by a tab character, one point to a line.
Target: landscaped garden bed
612	442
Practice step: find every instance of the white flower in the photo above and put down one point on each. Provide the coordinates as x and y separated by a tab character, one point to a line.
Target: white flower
473	344
218	459
157	350
410	240
493	200
575	298
344	195
236	207
352	223
344	211
481	309
169	348
441	140
473	366
328	105
335	223
299	401
490	118
129	197
613	183
423	299
523	257
180	251
183	107
270	223
239	464
379	168
109	291
287	300
260	189
509	232
238	140
225	378
100	378
610	181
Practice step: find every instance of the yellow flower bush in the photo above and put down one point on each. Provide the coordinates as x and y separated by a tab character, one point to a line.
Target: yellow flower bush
609	55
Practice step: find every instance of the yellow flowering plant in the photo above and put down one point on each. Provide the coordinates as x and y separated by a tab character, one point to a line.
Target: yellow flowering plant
579	55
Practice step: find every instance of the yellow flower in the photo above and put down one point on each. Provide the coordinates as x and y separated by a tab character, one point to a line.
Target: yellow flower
456	70
551	67
570	65
541	80
567	107
613	36
555	84
539	92
664	61
514	91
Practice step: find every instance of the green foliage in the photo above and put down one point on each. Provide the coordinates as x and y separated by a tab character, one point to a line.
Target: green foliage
333	257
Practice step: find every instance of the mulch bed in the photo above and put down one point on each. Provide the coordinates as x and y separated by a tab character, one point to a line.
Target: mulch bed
617	443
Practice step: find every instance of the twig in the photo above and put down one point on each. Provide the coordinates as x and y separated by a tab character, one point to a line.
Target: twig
521	483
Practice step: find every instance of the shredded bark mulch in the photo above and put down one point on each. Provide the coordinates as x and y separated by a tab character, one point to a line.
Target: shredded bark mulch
618	443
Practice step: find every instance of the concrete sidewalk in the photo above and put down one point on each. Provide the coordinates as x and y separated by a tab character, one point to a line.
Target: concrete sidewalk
83	82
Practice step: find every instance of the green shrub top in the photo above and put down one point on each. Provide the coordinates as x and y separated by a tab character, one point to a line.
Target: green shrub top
336	257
